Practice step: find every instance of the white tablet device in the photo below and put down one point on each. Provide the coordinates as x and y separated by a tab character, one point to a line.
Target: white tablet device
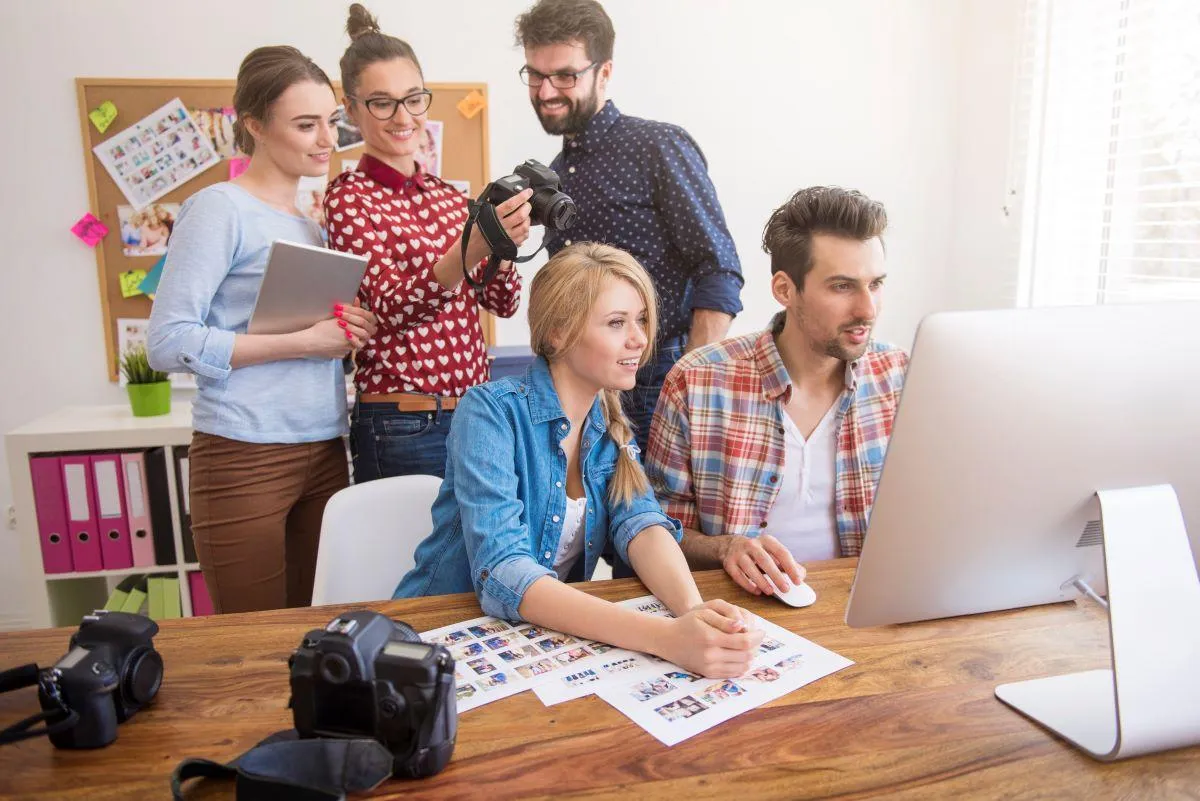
301	285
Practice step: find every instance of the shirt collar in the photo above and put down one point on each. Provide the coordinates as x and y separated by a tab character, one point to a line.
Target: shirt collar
776	381
385	175
597	127
544	404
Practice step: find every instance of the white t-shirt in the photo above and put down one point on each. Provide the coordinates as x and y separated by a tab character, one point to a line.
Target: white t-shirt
804	517
570	544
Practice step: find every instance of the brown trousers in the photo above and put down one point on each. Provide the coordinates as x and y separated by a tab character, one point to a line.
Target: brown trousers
256	517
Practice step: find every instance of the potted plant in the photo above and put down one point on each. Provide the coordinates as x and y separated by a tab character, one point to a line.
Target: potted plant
149	390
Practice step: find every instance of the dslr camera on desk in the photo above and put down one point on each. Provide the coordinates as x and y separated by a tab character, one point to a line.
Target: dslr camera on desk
370	701
367	676
110	671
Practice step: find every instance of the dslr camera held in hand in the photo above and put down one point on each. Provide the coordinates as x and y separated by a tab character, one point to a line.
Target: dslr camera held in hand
110	671
367	676
551	207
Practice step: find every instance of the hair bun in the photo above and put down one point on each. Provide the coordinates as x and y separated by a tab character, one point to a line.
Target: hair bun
361	22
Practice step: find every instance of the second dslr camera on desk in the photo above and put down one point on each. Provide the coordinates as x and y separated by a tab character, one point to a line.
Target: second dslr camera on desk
110	671
367	676
550	207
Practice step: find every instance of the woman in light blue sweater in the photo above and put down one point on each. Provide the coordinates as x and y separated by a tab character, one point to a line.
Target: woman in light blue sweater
267	451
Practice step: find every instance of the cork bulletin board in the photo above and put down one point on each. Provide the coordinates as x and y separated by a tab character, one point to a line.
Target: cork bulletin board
464	158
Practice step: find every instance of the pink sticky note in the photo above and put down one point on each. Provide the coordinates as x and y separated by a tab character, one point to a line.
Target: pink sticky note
90	230
237	166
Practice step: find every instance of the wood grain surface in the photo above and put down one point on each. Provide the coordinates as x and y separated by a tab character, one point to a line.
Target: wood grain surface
914	718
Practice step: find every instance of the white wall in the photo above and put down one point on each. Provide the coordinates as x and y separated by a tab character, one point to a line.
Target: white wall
879	96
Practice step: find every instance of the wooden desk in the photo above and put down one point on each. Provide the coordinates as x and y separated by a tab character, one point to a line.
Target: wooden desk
914	718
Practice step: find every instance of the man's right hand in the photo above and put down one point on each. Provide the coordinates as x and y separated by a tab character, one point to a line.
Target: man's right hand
749	560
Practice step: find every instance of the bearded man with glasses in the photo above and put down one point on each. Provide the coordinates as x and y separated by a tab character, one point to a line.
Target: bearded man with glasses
640	185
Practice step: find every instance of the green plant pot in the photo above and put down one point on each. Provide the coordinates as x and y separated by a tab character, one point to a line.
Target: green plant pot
149	400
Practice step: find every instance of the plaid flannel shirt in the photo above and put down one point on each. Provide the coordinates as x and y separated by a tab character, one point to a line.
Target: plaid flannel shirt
717	442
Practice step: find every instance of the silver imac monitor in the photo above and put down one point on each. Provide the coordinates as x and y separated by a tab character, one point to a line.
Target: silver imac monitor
1009	424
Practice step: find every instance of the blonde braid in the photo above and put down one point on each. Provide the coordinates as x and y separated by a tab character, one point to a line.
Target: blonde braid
629	480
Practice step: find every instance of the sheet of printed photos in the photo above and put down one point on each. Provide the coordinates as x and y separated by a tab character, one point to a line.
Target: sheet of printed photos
610	663
494	659
673	704
161	151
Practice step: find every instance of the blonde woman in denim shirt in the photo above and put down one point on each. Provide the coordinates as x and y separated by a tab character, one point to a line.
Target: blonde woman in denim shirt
542	472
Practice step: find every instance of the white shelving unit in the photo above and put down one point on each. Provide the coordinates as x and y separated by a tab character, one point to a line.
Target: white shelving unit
60	599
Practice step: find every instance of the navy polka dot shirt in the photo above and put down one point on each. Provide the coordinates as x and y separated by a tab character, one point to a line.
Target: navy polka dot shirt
643	186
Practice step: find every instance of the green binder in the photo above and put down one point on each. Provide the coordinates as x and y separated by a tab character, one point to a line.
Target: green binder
172	605
120	595
156	609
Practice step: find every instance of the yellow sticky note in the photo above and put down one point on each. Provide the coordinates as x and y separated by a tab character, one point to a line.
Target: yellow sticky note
103	115
130	282
472	104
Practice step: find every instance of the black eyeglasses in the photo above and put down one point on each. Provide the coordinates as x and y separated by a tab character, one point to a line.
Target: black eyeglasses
384	108
559	80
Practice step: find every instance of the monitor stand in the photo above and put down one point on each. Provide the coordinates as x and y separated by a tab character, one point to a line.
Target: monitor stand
1150	700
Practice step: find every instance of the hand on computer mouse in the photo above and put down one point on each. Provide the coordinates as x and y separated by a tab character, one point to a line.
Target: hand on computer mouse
750	560
798	595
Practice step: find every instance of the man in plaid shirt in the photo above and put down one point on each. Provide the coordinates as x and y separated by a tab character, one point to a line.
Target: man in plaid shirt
768	447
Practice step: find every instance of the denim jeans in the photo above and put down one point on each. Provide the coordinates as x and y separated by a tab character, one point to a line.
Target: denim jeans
386	442
639	404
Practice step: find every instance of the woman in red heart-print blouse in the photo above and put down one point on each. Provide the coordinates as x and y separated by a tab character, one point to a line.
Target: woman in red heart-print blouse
429	348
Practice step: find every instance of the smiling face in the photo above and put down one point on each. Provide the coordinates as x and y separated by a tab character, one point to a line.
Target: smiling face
613	340
836	308
396	140
298	134
565	111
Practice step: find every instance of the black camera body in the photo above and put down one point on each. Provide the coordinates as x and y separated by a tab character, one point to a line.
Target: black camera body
551	206
110	671
367	676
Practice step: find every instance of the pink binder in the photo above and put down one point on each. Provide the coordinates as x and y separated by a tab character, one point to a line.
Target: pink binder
48	499
201	602
109	487
81	513
137	508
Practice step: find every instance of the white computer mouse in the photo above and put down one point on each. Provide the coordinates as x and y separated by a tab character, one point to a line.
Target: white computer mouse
799	594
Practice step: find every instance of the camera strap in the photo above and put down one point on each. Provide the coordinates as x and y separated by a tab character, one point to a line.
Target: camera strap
484	216
283	766
56	720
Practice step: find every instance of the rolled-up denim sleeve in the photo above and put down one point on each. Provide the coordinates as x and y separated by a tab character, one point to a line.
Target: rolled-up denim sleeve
627	520
480	456
203	244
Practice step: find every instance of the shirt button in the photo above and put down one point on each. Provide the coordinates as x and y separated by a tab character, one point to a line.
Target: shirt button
763	524
483	575
567	243
547	554
555	518
563	426
558	484
773	479
571	170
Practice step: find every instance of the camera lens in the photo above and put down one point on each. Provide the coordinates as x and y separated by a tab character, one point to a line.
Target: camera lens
561	214
335	669
143	676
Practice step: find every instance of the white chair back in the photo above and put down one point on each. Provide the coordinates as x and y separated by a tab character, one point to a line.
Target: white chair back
369	534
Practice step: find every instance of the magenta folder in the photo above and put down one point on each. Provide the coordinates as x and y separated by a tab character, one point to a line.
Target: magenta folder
81	513
51	506
201	602
137	508
109	487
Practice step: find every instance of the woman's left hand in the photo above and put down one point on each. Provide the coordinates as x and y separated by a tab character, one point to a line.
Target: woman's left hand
735	614
358	316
